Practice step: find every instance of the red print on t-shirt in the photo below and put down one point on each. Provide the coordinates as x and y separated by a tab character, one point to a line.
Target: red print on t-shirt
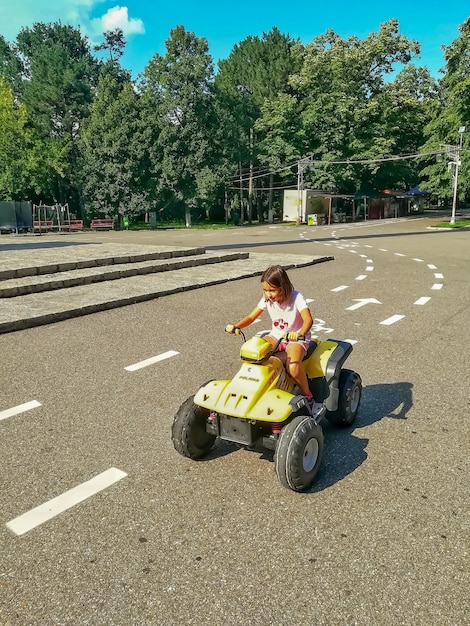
280	323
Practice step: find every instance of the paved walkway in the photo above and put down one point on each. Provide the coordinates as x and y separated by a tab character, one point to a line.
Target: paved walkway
48	280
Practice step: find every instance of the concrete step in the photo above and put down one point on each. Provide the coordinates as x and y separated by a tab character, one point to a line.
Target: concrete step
111	271
19	263
46	307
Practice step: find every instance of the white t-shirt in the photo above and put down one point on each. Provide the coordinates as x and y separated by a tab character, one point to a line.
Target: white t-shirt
286	316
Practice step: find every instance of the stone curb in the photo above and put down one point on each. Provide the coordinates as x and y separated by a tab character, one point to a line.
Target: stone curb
53	306
74	277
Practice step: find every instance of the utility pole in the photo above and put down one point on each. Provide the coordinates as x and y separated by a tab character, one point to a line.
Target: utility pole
454	164
302	165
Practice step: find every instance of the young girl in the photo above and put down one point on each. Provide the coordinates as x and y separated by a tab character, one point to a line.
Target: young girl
290	316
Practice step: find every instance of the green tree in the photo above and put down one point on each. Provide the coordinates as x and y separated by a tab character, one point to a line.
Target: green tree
335	110
60	75
14	154
255	72
182	125
449	113
114	162
11	68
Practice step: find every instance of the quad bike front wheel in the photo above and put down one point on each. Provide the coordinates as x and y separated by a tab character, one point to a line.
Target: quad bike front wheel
188	431
298	454
350	392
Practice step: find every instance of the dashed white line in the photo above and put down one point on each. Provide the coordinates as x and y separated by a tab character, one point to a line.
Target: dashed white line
437	286
21	408
422	300
361	277
432	267
151	361
438	275
44	512
383	249
351	341
391	320
370	268
419	260
399	254
341	288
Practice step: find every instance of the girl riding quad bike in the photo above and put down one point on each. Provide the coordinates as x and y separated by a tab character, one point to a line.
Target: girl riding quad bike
261	404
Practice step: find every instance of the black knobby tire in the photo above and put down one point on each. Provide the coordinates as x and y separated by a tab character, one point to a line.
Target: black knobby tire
299	452
188	431
350	392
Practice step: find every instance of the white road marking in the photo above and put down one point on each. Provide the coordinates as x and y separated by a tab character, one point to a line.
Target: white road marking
151	361
383	249
21	408
370	268
351	341
44	512
361	277
366	246
438	275
392	320
362	302
437	286
432	267
363	256
369	261
340	288
308	300
399	254
419	260
353	251
423	300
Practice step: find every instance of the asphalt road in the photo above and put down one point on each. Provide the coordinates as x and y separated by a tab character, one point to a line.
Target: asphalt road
381	539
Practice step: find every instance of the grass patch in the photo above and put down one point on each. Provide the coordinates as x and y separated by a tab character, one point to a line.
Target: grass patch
458	224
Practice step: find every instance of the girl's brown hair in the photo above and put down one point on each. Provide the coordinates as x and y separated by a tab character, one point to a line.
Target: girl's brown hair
276	276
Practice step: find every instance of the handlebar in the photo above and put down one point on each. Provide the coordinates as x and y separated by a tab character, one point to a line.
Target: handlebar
238	331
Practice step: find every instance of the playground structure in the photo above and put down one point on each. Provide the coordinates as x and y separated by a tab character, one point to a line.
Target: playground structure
18	217
54	217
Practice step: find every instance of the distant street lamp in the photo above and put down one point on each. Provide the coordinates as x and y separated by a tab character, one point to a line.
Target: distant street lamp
457	163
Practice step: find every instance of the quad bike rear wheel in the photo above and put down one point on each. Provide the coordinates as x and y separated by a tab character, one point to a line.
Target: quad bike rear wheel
298	454
188	431
350	392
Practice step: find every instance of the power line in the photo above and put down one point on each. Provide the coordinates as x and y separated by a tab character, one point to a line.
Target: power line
319	162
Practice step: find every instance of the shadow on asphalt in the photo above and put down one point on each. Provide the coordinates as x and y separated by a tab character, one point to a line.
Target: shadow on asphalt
316	237
344	451
44	245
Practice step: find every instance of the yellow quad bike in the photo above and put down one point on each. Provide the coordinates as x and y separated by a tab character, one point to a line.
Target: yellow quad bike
260	405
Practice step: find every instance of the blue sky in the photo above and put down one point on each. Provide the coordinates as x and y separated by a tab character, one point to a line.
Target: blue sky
147	23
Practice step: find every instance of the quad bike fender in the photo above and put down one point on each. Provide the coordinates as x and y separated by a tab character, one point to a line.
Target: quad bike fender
273	406
325	365
209	394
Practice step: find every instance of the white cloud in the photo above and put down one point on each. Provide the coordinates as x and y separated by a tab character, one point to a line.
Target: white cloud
17	15
118	17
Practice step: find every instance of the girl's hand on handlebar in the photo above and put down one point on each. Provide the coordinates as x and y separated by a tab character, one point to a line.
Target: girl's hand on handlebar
232	330
294	336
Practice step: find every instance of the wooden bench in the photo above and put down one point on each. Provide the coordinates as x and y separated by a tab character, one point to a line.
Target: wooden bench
44	224
72	225
102	223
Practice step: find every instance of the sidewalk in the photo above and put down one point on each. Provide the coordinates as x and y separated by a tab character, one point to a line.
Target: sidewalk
48	280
